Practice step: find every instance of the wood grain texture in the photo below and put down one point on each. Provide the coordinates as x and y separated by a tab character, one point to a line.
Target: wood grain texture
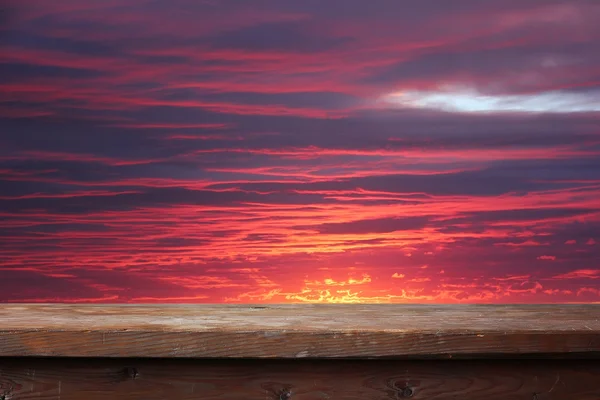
118	379
297	331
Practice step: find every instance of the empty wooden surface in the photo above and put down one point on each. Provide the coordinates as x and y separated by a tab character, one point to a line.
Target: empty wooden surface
297	331
118	379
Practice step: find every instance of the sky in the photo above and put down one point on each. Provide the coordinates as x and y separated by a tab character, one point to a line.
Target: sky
285	151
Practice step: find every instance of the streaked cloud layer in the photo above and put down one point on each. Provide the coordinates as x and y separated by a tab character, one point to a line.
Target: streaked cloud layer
300	151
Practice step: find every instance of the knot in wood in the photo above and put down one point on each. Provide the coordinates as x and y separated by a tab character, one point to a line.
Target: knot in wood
407	392
131	372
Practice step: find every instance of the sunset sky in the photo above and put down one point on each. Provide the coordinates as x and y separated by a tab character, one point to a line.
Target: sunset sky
275	151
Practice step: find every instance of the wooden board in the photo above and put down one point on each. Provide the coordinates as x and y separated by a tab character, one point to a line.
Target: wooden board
297	331
120	379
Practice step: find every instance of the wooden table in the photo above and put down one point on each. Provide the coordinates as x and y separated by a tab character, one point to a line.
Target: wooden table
273	352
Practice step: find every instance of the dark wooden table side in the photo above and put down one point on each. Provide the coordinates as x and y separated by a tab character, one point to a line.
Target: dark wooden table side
177	379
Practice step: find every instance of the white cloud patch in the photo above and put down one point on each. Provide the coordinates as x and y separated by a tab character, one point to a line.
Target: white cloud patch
471	101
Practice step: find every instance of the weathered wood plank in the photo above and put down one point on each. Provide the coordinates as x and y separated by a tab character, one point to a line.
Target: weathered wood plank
119	379
296	331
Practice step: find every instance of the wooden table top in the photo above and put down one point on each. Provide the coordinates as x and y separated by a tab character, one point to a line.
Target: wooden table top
297	331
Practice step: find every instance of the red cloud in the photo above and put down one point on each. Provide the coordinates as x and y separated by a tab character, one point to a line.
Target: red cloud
580	273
